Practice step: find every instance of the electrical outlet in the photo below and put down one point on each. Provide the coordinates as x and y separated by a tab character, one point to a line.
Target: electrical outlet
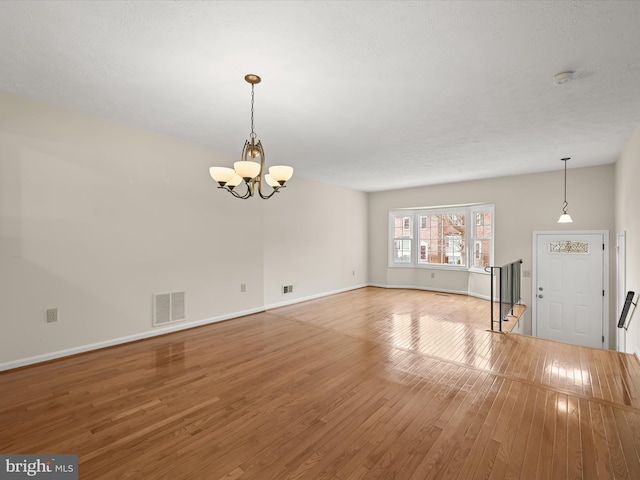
526	273
353	272
287	289
433	275
243	287
52	315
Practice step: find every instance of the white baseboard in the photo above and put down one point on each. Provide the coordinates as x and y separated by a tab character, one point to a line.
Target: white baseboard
428	289
440	290
118	341
482	297
23	362
313	297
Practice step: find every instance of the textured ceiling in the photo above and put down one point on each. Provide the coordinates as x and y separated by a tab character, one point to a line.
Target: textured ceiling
367	95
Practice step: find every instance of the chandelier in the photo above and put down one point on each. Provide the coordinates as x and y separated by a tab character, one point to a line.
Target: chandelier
565	217
250	170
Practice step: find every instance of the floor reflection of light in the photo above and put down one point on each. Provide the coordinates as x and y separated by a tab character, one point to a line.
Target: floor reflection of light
170	355
402	334
561	405
568	373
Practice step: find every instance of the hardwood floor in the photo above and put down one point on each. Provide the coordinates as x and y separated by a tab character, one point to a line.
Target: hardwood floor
368	384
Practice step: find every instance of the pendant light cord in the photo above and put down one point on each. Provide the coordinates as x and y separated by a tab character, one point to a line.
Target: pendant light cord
565	204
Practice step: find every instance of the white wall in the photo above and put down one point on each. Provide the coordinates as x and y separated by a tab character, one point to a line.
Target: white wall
95	217
627	201
315	239
524	204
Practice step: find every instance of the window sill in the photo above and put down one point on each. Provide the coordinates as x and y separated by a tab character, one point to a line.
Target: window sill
479	270
453	268
457	268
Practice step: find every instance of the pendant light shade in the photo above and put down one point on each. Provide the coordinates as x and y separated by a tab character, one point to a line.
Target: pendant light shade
235	181
222	175
270	181
281	173
565	217
247	169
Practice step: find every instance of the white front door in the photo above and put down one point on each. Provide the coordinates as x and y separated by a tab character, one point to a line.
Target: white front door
569	291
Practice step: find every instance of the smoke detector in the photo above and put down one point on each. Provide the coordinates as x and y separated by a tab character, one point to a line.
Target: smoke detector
563	77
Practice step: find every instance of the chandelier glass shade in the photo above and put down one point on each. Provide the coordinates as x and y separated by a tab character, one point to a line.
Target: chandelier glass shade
250	170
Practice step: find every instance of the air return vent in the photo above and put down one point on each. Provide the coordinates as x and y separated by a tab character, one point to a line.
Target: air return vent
169	308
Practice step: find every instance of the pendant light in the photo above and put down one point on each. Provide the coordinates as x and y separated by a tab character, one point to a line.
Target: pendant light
250	169
565	217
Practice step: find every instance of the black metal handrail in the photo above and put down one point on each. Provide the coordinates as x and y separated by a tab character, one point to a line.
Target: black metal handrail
508	284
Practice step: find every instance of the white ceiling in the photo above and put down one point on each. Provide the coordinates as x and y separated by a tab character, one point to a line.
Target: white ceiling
367	95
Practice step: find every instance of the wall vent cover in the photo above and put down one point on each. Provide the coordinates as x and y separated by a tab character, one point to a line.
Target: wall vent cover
169	308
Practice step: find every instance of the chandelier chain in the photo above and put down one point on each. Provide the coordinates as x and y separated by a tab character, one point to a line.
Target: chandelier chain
253	135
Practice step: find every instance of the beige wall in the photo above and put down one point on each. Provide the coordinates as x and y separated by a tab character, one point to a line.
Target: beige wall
523	204
95	217
315	239
627	200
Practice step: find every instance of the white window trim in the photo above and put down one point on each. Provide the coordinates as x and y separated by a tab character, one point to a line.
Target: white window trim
415	213
489	207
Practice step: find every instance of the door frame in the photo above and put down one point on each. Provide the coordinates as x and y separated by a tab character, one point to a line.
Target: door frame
621	287
605	277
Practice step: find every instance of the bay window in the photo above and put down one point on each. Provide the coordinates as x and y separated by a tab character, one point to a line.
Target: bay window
439	237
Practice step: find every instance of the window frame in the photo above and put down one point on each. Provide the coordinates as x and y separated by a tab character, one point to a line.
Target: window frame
443	241
469	212
473	210
406	234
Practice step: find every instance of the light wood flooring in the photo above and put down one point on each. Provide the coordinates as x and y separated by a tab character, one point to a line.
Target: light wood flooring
367	384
